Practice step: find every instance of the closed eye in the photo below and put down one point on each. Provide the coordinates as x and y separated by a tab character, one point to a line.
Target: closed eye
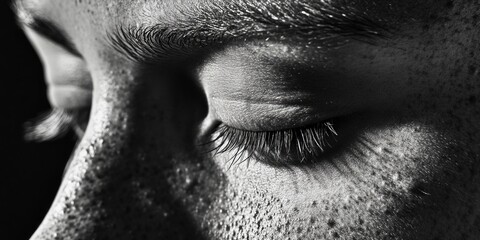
298	146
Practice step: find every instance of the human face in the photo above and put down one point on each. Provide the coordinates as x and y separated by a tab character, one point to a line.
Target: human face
327	119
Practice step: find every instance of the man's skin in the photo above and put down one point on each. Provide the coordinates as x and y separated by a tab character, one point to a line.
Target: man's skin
406	165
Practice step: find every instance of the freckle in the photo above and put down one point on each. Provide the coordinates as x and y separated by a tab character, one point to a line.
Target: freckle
472	99
331	223
335	235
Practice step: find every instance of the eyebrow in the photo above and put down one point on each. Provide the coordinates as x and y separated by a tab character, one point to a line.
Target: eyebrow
245	20
27	17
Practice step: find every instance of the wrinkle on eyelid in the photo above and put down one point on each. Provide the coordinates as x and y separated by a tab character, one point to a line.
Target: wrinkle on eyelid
263	116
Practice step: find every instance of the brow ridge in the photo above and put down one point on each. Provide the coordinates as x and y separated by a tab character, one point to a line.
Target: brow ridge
239	22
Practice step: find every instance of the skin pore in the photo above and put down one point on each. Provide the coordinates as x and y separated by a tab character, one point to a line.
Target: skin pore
398	80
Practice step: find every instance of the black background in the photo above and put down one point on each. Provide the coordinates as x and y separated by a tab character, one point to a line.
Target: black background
30	172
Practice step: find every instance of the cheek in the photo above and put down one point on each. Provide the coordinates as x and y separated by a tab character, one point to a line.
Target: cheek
395	182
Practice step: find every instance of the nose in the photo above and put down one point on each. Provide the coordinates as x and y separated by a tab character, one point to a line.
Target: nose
131	173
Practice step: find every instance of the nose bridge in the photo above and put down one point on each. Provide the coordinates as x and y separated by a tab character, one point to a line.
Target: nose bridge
119	183
159	105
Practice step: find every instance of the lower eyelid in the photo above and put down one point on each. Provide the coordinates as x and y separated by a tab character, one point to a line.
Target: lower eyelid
69	96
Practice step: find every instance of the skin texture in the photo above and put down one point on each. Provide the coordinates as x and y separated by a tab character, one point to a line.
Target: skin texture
409	168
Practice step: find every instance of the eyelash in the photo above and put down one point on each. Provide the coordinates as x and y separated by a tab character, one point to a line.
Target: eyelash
277	148
56	123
